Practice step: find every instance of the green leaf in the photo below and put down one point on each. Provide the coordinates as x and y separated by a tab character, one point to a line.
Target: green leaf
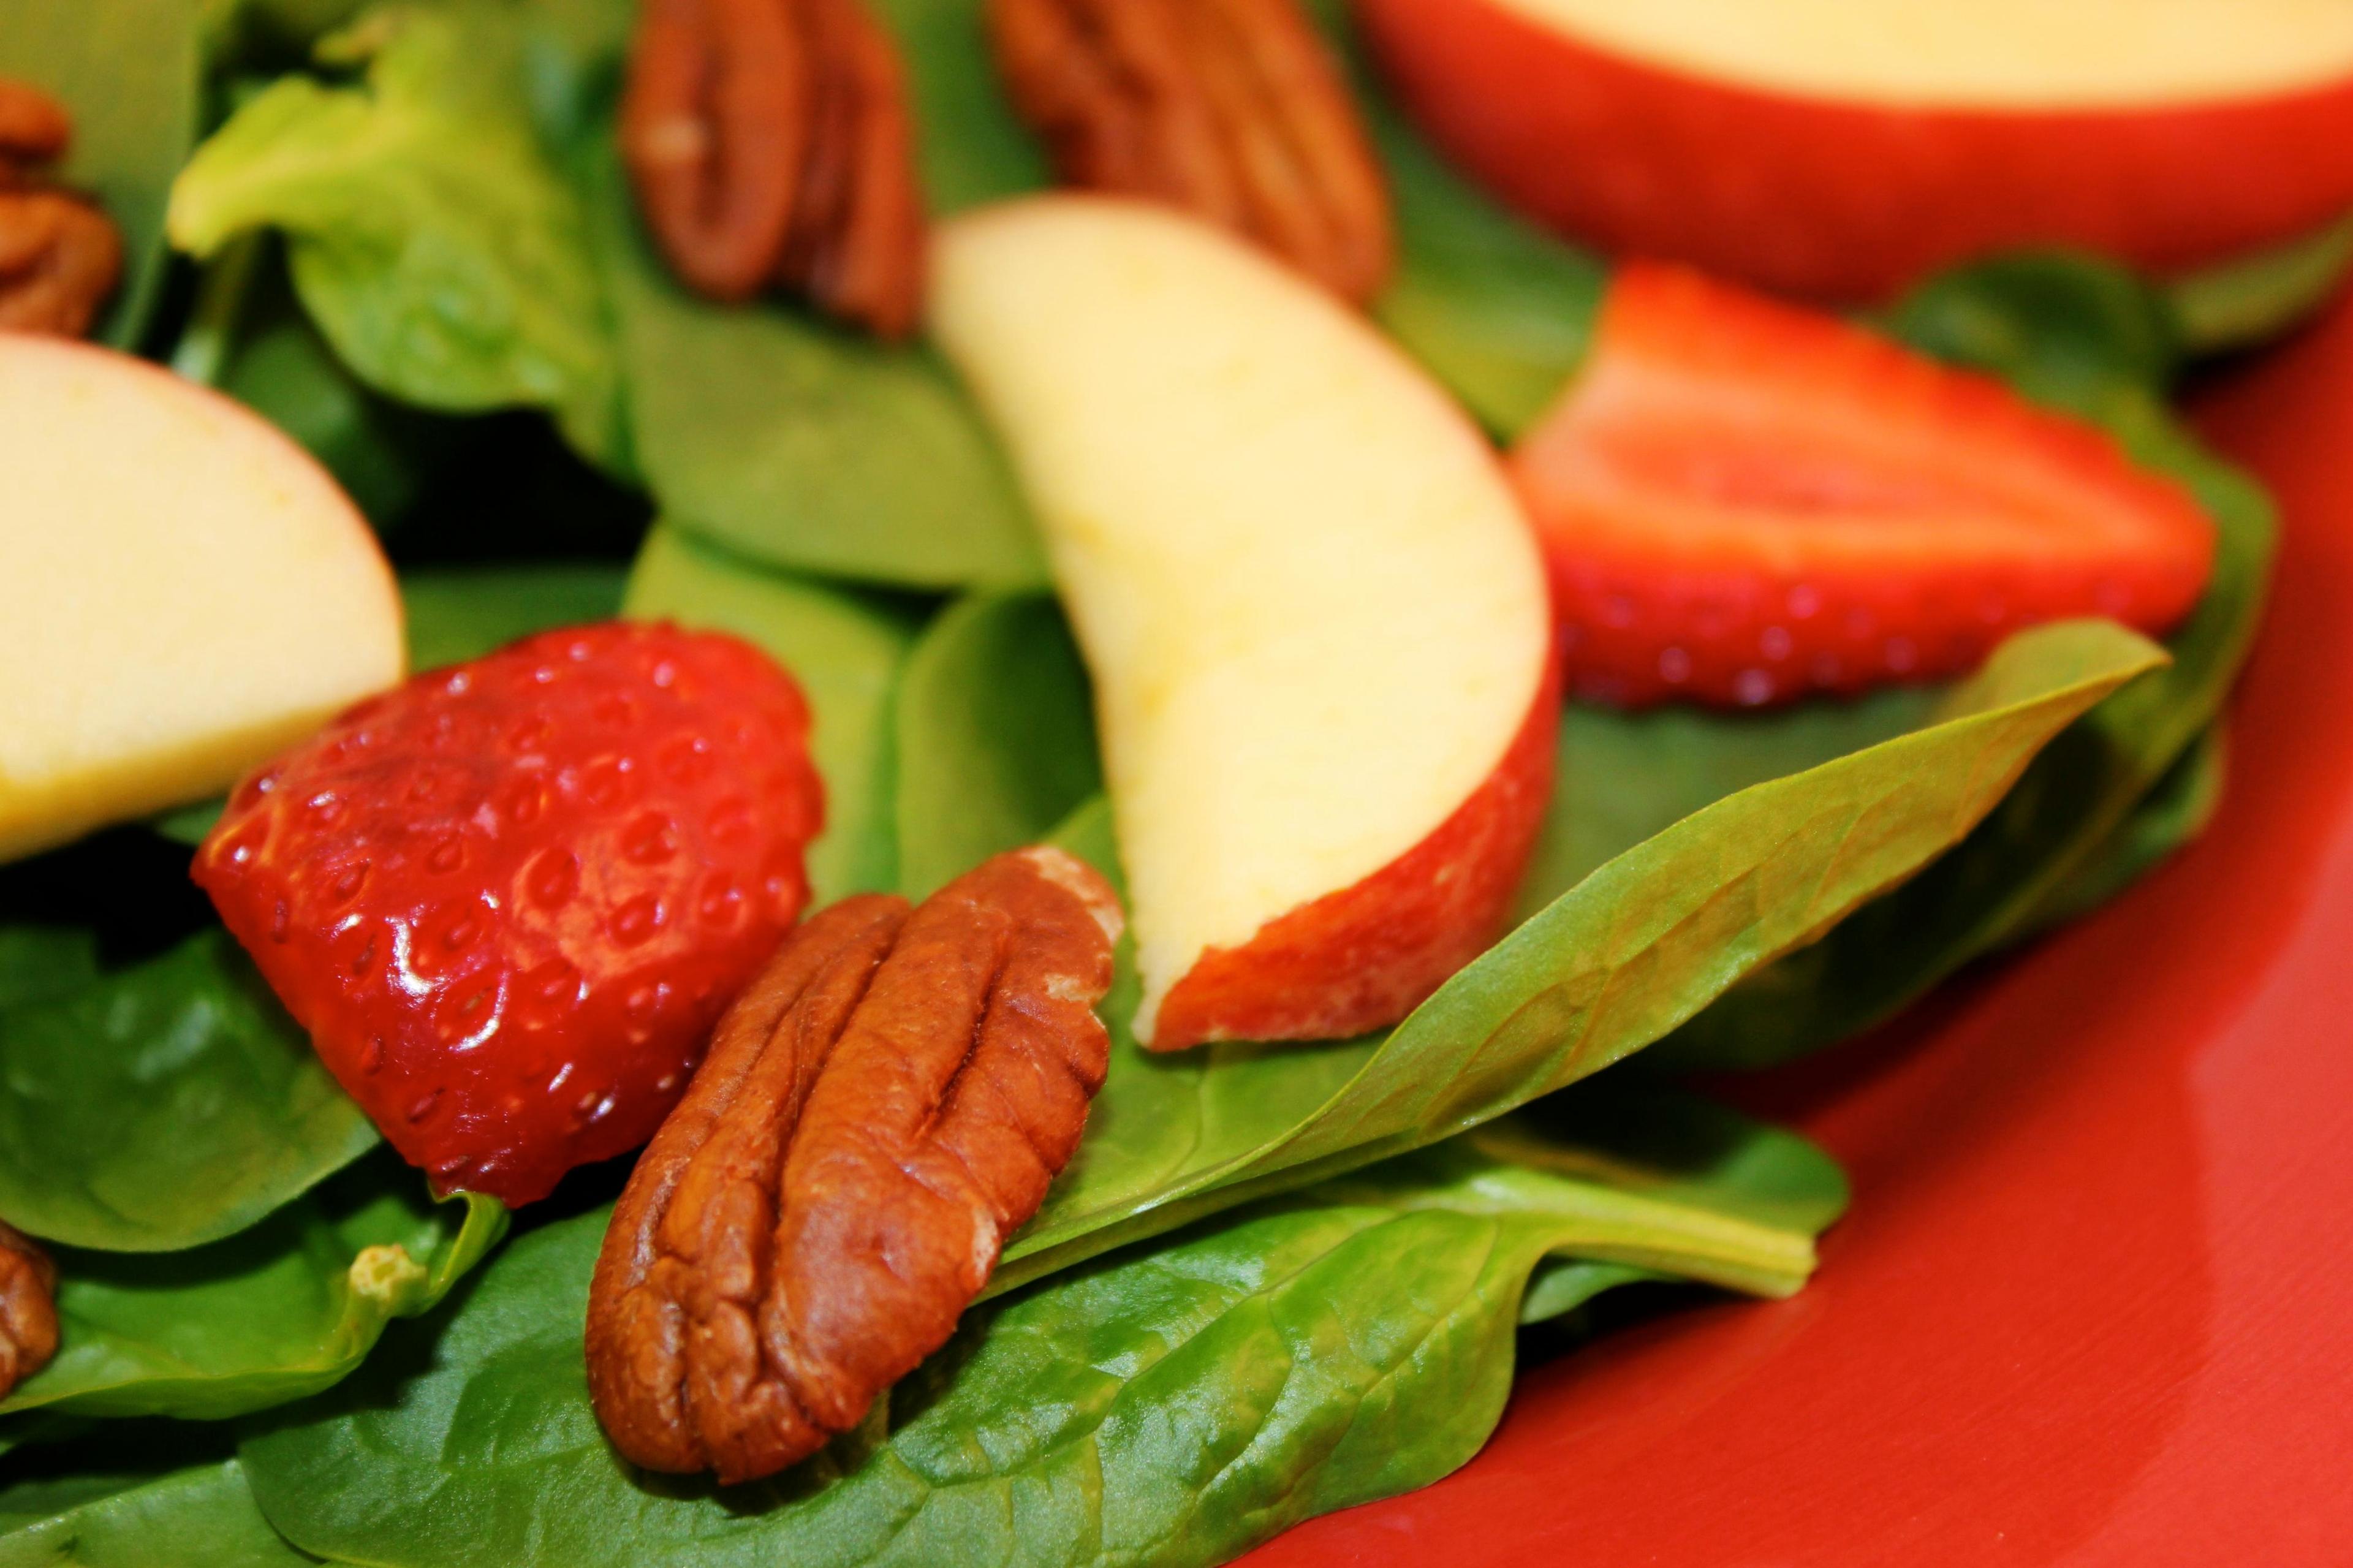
163	1106
130	73
804	446
2173	814
430	236
2244	301
381	452
39	963
996	744
458	614
143	1518
970	146
272	1314
1624	776
844	650
2076	795
2071	320
1170	1406
1495	308
1631	952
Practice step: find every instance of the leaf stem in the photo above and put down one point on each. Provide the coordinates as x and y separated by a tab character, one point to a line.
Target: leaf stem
202	354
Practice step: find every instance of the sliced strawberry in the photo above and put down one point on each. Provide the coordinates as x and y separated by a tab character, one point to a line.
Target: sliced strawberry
509	898
1743	502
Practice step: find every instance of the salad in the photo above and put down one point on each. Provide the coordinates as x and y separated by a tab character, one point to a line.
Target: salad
968	780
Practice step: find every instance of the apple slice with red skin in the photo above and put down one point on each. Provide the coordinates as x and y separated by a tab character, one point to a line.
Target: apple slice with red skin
1314	615
1366	956
1834	168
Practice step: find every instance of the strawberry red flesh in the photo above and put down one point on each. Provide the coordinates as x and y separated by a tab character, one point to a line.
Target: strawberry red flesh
1743	502
509	898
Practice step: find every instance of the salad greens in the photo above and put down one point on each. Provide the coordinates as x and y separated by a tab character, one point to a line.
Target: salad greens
804	446
1171	1406
996	744
163	1106
277	1311
458	614
428	235
1276	1279
141	1519
846	650
1620	959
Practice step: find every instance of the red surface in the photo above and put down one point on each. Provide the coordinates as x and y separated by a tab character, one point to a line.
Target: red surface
1842	200
2094	1304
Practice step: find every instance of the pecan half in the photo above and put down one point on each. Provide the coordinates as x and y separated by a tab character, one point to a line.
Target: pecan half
28	1311
59	256
768	141
1231	108
879	1111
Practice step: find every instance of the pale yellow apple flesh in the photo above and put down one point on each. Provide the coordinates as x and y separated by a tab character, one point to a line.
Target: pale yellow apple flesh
1992	54
184	591
1314	613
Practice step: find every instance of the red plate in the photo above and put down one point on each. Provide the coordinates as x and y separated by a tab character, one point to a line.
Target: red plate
2094	1303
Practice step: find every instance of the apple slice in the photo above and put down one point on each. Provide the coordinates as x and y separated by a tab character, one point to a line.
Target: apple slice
185	592
1314	615
1842	149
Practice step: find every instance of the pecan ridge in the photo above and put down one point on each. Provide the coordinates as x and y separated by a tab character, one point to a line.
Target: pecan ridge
769	141
879	1111
1233	110
59	256
28	1311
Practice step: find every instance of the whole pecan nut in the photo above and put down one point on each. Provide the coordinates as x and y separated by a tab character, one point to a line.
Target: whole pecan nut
879	1111
768	141
1233	110
28	1311
59	256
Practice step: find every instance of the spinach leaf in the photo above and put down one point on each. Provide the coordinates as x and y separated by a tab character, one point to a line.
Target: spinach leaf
1627	954
1625	775
2244	301
970	147
1169	1406
2172	815
843	647
163	1106
276	1312
1495	308
130	73
38	963
2069	803
454	616
429	235
803	445
996	744
381	452
2075	323
200	1513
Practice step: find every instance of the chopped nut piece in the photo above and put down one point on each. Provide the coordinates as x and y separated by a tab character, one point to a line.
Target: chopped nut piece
59	256
28	1311
879	1110
769	143
1231	109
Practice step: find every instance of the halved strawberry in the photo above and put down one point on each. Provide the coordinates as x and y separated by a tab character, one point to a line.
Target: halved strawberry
1743	501
511	897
